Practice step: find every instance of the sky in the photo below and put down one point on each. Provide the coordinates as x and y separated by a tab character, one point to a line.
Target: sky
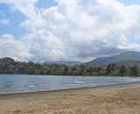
68	30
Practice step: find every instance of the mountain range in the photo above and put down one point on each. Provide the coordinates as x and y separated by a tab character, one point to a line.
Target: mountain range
68	63
127	58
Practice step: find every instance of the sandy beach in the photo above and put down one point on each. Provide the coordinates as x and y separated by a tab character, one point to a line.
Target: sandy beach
118	99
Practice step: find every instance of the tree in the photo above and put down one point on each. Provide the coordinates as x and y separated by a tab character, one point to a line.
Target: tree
89	71
66	70
108	69
113	66
123	70
134	71
82	69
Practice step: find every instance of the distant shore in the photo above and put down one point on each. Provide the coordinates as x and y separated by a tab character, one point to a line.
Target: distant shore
117	99
121	68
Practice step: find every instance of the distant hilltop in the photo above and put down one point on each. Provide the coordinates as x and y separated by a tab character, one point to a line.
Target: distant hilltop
69	63
129	58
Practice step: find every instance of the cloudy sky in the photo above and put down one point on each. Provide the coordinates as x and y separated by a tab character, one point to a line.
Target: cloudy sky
53	30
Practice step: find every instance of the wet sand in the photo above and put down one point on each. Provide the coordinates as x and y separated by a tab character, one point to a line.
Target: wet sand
118	99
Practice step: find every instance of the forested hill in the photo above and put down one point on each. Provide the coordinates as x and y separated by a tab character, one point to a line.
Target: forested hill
10	66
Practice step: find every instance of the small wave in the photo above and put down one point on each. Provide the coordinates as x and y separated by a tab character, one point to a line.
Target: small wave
133	80
79	82
31	85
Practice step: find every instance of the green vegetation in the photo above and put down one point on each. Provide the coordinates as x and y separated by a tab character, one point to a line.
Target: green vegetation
9	66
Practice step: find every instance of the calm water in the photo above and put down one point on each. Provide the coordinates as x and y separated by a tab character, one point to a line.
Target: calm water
32	83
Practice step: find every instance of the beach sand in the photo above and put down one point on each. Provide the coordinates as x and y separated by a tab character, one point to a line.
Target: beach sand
118	99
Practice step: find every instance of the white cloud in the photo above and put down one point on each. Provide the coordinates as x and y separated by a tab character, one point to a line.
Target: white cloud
77	29
45	46
24	6
9	47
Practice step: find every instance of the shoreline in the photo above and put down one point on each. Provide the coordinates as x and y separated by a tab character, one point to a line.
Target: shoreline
69	89
110	76
112	99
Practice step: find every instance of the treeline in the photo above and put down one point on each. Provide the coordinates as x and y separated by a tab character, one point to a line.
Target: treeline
122	70
9	66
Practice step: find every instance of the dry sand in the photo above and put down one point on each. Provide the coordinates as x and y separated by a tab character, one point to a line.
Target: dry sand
120	99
